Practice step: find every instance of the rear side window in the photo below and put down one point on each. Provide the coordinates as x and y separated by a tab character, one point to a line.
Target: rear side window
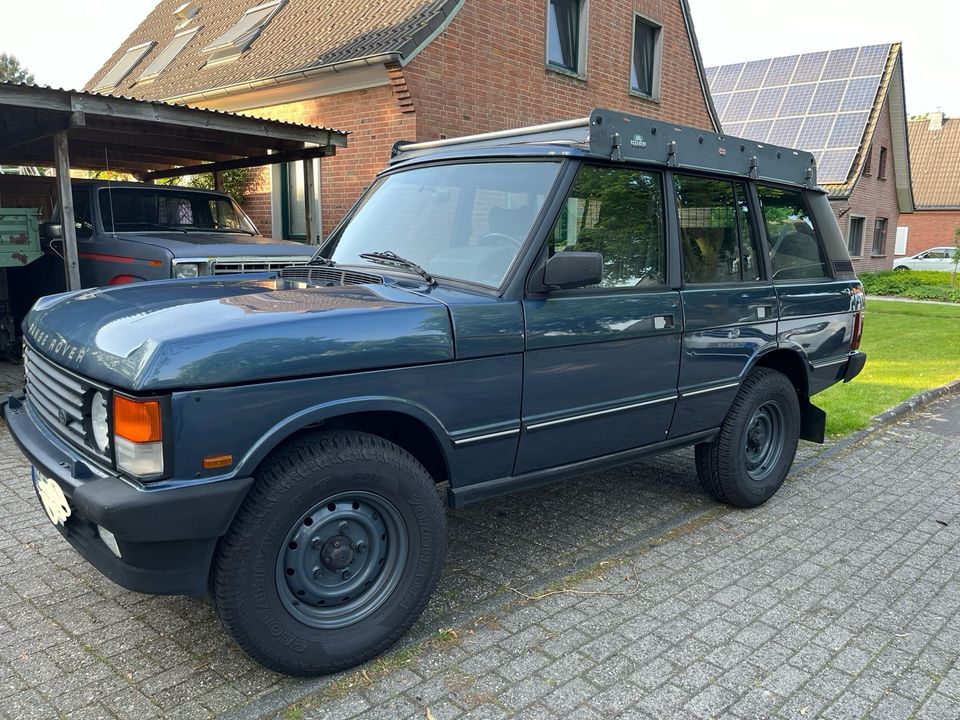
617	212
795	252
715	236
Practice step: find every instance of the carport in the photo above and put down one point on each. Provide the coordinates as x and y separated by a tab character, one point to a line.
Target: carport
71	129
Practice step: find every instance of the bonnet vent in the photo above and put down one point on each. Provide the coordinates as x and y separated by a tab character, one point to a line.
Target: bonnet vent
324	275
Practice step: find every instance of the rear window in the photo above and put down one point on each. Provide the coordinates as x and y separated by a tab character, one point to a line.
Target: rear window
795	252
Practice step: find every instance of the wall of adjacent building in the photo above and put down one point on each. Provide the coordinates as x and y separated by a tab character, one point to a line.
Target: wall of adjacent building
871	198
930	228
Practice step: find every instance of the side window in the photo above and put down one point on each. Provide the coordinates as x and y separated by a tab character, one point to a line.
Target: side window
795	252
715	235
617	212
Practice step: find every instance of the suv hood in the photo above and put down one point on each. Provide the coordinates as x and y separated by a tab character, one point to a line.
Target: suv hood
177	335
212	244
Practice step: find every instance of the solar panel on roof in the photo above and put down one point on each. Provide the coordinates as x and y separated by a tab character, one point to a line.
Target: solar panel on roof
726	79
848	130
752	76
768	102
740	105
839	64
734	129
815	130
781	70
872	60
757	130
710	73
784	132
720	101
827	97
833	166
797	100
809	67
861	92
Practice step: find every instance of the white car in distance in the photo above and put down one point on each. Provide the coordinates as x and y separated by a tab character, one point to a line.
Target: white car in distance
937	258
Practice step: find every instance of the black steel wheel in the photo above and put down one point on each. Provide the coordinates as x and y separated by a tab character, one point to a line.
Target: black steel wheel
333	554
749	459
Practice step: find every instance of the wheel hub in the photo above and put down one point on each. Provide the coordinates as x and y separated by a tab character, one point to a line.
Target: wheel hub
763	440
337	553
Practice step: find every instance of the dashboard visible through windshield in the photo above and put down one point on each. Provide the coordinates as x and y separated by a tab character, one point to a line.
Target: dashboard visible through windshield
466	221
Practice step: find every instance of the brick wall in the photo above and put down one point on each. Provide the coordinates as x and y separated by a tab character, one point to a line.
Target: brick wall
873	198
930	228
487	71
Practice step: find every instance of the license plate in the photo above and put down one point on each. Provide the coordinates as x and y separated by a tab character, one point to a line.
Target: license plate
52	498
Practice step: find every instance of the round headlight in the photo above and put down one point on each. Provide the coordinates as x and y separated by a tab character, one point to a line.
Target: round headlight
186	270
98	422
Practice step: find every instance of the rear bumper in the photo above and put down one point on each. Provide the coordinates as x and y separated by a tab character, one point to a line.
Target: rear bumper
854	365
166	537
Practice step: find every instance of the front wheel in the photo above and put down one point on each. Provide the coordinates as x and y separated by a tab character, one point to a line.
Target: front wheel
332	556
749	459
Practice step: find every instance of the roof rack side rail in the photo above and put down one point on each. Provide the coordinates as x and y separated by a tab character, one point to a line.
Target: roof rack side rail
546	132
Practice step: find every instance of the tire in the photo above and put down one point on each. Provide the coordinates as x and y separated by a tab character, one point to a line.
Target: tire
749	459
901	268
333	554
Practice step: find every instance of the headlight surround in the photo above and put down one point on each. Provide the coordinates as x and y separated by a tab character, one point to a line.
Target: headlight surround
186	270
99	422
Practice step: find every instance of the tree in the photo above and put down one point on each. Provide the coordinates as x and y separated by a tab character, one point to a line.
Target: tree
12	71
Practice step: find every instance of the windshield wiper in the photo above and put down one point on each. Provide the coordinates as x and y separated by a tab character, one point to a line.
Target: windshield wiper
171	228
388	257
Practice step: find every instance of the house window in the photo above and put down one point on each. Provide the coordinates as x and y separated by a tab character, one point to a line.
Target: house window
882	169
238	38
645	66
855	236
123	66
159	64
292	199
868	162
880	236
565	34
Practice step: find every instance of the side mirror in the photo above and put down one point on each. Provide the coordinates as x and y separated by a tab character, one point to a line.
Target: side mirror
568	270
51	231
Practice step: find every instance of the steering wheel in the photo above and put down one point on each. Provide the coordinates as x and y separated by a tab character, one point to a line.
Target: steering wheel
498	240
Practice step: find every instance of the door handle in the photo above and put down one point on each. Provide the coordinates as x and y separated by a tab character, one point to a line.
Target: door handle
663	322
764	312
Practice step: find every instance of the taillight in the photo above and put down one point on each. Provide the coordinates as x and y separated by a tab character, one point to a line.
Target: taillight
857	330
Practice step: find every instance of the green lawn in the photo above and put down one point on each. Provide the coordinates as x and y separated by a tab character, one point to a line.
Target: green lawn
910	347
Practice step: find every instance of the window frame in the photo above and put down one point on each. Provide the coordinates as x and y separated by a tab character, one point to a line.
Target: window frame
222	51
885	224
863	233
868	162
582	21
144	50
882	167
147	76
768	261
657	57
285	213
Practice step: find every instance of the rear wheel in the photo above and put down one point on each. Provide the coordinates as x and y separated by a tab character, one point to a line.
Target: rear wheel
749	459
332	556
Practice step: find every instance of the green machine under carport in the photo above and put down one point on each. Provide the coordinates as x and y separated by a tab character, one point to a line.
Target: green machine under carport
19	246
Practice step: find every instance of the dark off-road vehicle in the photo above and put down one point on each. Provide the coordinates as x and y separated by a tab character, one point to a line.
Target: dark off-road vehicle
496	312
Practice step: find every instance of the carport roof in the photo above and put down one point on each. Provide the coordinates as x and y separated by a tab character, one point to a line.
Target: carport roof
146	138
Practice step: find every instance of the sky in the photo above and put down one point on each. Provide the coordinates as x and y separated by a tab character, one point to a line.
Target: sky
64	42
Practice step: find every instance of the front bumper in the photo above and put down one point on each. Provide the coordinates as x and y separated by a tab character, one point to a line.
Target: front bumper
166	537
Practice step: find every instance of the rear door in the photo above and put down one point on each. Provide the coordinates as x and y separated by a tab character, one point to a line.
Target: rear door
600	363
729	305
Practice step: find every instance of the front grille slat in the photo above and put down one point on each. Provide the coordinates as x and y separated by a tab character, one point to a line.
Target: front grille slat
38	363
49	412
50	388
326	275
234	266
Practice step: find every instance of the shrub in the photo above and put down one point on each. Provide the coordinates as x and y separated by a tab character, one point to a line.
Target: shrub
917	284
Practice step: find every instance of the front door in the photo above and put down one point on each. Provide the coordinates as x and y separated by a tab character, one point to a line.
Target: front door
600	364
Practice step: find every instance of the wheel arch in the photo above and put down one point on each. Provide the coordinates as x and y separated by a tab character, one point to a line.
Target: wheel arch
793	364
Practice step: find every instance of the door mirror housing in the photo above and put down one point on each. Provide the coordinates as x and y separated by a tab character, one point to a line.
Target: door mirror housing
568	270
51	231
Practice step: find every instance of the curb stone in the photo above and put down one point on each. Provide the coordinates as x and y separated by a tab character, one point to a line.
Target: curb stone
275	702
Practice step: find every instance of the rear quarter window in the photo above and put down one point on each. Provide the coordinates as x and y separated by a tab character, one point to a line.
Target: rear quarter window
795	252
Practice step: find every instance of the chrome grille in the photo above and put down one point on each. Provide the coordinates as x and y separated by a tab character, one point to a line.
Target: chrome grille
326	275
59	398
233	266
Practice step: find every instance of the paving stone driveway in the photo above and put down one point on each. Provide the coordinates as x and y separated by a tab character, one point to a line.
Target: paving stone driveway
839	598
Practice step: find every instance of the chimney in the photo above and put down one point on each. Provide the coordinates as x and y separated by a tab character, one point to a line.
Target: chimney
936	120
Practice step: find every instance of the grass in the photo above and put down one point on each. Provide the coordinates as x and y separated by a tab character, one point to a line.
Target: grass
911	347
916	284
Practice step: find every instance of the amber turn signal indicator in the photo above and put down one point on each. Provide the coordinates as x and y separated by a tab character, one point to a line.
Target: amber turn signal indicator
217	461
136	420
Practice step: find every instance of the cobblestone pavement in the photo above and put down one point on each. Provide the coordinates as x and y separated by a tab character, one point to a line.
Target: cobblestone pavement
838	596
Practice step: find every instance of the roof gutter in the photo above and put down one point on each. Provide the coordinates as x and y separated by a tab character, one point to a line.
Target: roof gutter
698	62
285	78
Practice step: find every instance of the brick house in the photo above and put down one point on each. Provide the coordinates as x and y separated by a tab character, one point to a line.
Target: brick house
847	107
407	70
935	157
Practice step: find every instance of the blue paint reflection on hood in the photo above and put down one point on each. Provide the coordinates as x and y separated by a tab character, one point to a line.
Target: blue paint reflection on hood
182	334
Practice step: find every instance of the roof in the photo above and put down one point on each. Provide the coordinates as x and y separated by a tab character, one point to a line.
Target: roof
144	137
935	155
301	35
827	103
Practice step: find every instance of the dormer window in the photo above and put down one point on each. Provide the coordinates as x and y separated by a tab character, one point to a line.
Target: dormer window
159	64
238	38
185	13
123	66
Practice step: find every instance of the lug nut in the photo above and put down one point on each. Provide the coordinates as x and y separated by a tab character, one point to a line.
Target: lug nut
361	546
317	572
346	574
343	528
315	543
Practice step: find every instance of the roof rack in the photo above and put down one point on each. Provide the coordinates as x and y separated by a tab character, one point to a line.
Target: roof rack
622	137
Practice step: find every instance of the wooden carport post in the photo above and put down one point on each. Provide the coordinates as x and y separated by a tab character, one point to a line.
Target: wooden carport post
67	219
310	222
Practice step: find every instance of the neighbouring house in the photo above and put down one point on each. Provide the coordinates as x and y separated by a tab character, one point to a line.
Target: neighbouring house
846	107
935	158
407	70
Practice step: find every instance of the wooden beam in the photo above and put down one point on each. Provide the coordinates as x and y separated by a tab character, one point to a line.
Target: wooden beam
310	222
258	161
67	219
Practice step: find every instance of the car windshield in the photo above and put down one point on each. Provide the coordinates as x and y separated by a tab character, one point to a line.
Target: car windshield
127	209
465	221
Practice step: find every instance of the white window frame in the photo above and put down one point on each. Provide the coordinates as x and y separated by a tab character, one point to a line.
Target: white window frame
863	232
143	48
657	56
276	201
582	35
